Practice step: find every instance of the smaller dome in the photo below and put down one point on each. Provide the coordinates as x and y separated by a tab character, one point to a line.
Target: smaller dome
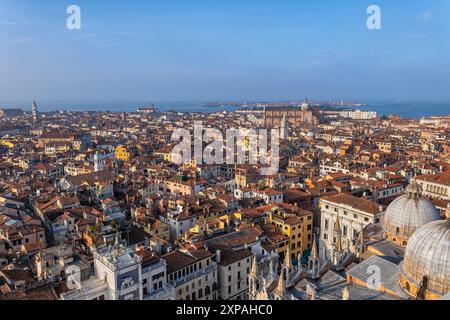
408	213
310	134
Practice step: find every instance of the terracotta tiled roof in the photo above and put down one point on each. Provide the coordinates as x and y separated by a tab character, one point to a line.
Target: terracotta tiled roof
354	202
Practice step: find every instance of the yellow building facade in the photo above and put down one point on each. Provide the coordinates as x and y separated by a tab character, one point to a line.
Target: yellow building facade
298	227
121	153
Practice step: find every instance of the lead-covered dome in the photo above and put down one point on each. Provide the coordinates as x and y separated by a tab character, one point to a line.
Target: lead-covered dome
427	260
408	213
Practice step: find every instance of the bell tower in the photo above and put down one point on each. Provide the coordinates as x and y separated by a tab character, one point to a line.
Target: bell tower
99	163
284	129
34	113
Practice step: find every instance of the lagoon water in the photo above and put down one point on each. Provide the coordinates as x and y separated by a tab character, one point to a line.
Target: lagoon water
414	110
410	110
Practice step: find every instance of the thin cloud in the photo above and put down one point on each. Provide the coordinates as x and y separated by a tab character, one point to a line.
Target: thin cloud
24	40
414	36
426	16
14	23
102	37
124	33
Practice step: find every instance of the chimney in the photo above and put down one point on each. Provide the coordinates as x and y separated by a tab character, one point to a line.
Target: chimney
218	256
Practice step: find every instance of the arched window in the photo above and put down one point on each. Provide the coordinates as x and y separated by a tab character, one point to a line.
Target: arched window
407	287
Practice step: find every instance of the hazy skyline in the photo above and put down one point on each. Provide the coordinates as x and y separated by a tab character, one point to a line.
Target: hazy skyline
224	50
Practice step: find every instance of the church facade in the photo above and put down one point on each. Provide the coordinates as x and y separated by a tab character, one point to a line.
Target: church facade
273	117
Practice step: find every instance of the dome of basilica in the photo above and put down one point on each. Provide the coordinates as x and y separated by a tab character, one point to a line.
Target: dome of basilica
305	105
427	260
408	213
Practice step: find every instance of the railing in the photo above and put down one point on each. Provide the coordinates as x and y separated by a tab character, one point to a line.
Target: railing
189	277
85	292
116	264
162	294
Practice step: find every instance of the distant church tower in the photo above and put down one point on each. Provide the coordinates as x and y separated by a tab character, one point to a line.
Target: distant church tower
34	112
284	130
99	163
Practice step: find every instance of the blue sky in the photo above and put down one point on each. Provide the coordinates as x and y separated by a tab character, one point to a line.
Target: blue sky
224	50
